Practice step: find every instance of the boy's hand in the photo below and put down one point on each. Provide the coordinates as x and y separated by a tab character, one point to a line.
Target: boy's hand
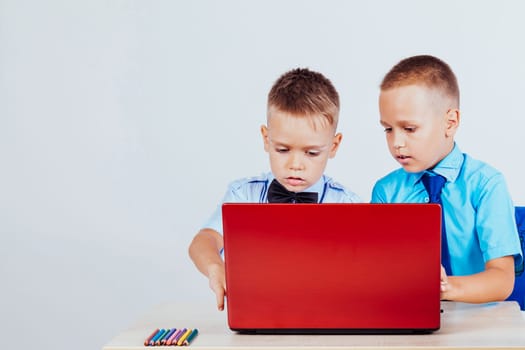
493	284
217	280
205	251
445	287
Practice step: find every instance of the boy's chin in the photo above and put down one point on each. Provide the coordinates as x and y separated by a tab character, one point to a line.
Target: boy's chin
413	168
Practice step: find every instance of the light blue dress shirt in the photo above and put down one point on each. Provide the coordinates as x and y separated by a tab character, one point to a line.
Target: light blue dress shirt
478	210
255	189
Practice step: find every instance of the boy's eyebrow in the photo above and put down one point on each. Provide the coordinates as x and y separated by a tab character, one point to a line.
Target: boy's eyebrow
277	143
399	122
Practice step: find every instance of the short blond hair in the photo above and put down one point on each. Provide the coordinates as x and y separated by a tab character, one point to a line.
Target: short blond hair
425	70
305	92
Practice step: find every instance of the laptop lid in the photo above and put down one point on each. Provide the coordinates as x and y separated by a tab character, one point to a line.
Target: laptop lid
320	268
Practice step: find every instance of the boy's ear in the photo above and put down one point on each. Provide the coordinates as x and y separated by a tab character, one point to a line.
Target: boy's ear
335	144
264	133
453	117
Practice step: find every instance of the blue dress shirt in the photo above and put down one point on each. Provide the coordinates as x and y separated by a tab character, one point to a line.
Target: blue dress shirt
254	190
478	210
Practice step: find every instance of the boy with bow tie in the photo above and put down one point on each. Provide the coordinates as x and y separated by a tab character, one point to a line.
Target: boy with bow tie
300	137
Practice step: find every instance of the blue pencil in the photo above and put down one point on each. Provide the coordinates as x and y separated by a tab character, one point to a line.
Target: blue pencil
157	336
167	336
157	342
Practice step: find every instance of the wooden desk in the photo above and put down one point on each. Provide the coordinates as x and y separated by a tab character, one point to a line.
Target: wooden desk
463	326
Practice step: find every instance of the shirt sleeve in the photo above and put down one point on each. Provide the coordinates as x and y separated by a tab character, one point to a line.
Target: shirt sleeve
247	190
337	193
378	193
495	221
232	195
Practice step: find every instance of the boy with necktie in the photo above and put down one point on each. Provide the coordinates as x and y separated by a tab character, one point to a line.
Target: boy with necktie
300	137
419	109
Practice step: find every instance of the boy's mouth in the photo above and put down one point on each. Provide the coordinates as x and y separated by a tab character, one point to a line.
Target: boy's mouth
403	159
294	181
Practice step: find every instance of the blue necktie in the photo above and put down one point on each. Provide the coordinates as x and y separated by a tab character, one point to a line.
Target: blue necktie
434	184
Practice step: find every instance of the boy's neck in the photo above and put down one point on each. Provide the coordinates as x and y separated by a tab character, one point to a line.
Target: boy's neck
451	148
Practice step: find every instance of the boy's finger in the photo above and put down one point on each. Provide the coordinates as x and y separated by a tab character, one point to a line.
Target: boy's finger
220	301
444	280
444	277
219	295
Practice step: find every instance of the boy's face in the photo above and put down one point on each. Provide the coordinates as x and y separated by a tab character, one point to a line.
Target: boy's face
419	125
299	148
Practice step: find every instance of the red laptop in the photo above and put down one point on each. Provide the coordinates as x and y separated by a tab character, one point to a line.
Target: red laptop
332	268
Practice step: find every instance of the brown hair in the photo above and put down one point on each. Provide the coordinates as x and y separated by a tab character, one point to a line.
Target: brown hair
423	70
304	92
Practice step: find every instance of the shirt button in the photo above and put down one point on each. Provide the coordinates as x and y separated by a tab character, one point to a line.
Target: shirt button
427	199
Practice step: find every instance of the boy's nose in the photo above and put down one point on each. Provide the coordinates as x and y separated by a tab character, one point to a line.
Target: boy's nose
295	162
398	141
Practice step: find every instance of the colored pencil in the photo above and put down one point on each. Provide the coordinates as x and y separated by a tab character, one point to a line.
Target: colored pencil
184	336
191	336
154	339
167	336
176	340
173	339
164	332
148	339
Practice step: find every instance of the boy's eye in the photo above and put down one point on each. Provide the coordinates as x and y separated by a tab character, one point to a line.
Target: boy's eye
387	130
410	129
313	153
281	150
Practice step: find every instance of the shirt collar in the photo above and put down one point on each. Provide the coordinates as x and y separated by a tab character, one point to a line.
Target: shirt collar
449	167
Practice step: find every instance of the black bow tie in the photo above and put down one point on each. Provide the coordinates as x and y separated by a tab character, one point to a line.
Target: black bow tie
278	194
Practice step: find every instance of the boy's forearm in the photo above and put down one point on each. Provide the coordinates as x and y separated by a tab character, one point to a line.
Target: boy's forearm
205	250
493	284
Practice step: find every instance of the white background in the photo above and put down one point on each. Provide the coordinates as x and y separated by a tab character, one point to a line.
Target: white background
122	122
